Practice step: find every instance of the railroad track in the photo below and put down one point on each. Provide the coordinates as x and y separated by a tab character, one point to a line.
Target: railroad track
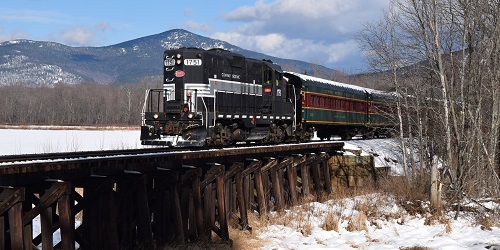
5	159
82	154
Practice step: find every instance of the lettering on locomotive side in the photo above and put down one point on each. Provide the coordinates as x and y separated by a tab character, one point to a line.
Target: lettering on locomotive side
233	76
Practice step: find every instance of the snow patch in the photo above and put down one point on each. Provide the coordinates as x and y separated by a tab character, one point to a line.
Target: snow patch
393	228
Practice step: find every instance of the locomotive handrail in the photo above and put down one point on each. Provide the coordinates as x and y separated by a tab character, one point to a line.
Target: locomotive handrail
146	106
143	113
215	106
206	112
294	109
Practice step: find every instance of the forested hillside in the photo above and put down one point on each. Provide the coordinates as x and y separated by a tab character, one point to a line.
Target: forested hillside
85	103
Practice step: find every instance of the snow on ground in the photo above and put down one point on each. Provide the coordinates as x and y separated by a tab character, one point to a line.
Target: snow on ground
69	139
387	226
386	152
390	228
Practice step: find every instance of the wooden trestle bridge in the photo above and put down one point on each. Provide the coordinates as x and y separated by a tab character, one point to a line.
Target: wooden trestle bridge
149	198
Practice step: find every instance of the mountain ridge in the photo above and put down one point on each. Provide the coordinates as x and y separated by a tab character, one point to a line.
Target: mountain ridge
45	63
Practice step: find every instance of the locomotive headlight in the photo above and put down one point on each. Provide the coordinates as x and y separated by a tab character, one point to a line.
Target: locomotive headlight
190	115
178	56
179	61
156	116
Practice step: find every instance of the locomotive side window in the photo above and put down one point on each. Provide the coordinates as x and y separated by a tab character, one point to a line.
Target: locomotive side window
256	73
268	76
289	93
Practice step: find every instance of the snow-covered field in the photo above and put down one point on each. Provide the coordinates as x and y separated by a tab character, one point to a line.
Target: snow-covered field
375	222
35	140
393	228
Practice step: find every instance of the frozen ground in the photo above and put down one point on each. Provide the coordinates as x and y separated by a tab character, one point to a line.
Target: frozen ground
66	139
373	222
395	229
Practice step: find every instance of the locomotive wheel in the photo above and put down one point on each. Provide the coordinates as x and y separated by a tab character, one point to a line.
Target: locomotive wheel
280	134
222	135
226	136
304	135
277	134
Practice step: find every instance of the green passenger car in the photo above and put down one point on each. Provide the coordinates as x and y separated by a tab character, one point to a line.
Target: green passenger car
338	109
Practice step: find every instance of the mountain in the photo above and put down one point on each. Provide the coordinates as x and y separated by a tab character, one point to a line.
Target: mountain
45	63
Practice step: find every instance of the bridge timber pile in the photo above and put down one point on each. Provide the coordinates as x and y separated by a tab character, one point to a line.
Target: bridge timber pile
147	200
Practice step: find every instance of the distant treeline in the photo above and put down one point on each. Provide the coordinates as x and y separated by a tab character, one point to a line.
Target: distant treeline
65	104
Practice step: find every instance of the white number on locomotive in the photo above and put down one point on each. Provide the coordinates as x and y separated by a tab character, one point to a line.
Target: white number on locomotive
192	62
169	62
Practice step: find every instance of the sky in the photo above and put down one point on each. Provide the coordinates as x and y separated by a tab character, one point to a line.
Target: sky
320	31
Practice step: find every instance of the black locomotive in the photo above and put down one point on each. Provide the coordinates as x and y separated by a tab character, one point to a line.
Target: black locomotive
217	97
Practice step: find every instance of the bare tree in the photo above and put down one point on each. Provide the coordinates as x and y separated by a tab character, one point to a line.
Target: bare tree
452	46
382	41
86	103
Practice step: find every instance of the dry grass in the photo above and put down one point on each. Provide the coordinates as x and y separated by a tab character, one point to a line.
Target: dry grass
410	194
245	239
415	248
486	221
332	221
298	217
357	222
200	245
438	218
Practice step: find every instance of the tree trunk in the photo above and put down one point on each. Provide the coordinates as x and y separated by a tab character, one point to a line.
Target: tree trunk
435	192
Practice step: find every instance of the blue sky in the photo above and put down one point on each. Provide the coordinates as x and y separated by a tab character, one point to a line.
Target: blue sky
319	31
